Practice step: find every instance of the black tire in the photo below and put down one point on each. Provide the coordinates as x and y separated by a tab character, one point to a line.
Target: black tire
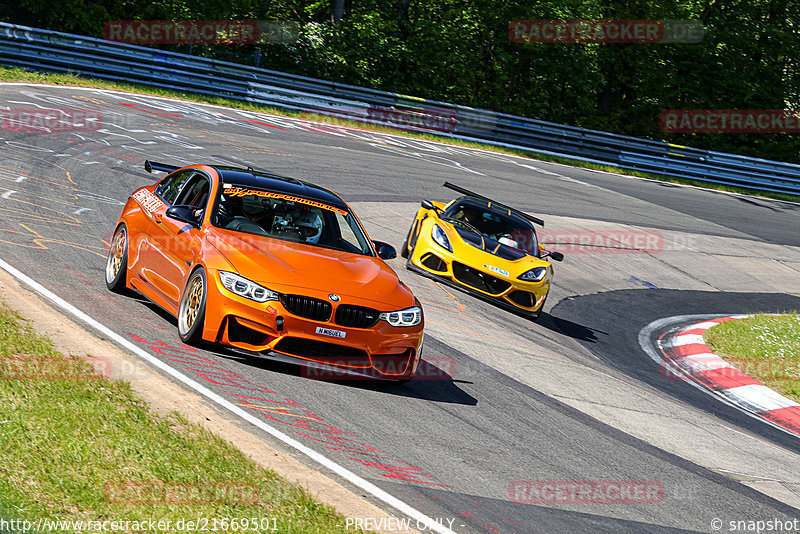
533	316
192	310
117	262
404	249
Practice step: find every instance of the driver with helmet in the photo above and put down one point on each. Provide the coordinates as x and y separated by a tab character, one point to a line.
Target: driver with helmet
309	224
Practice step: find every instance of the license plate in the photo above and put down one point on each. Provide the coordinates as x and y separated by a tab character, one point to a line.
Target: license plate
330	332
497	270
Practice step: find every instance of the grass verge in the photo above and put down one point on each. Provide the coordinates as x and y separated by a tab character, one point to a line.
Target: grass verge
75	446
8	74
766	348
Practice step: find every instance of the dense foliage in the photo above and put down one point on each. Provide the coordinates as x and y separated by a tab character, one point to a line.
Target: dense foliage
460	51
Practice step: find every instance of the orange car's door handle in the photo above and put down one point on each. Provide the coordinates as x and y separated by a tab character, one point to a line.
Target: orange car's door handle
157	217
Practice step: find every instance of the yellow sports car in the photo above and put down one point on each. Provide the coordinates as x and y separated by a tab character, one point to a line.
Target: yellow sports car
483	247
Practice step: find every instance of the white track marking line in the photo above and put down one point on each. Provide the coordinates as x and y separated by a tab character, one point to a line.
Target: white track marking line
701	362
345	473
685	339
704	325
758	397
748	475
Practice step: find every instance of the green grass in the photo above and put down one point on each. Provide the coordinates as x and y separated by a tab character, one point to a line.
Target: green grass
8	74
766	348
66	434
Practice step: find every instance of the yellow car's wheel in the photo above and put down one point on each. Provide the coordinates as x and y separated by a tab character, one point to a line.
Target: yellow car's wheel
535	315
404	250
117	262
192	312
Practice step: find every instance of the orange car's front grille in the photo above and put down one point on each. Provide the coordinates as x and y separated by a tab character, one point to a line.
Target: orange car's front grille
320	350
307	307
238	333
356	316
479	280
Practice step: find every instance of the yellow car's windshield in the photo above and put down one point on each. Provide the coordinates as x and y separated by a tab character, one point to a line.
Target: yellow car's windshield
506	230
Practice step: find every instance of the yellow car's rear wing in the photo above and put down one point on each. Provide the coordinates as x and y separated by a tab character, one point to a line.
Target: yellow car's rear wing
516	212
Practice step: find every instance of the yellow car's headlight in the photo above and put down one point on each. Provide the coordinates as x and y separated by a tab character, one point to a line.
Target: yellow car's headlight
534	275
440	237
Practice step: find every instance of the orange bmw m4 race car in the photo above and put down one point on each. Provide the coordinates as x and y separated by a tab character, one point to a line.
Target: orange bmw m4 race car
268	265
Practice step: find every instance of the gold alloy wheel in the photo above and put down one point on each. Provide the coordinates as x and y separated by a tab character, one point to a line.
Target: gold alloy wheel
192	303
116	254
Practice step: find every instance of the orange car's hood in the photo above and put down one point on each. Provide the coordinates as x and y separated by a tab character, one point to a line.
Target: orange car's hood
292	267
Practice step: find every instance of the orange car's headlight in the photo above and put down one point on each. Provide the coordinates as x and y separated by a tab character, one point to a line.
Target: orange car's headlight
407	317
246	288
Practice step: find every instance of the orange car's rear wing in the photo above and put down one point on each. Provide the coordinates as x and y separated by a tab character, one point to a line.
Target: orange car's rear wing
496	204
151	166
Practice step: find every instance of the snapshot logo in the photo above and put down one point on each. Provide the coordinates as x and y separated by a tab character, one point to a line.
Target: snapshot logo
604	241
605	31
586	491
742	121
211	32
147	493
50	120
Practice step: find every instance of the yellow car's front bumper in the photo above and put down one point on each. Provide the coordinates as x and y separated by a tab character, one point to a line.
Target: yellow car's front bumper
434	261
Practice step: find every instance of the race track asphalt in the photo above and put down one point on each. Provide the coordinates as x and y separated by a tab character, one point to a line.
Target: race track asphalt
451	448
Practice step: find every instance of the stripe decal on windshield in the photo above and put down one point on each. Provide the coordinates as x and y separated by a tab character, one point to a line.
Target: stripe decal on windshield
239	192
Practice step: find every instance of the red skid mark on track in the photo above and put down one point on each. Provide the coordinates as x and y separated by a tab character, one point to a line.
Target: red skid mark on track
141	107
305	423
265	124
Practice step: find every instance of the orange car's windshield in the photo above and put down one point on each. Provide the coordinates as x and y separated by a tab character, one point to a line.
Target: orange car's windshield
290	218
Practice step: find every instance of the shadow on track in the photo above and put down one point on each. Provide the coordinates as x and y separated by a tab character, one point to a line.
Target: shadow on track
442	388
624	313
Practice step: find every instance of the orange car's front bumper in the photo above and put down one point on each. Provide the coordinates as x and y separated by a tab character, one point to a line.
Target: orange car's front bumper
381	350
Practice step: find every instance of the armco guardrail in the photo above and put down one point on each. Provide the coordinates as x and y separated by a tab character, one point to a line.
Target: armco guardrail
43	50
